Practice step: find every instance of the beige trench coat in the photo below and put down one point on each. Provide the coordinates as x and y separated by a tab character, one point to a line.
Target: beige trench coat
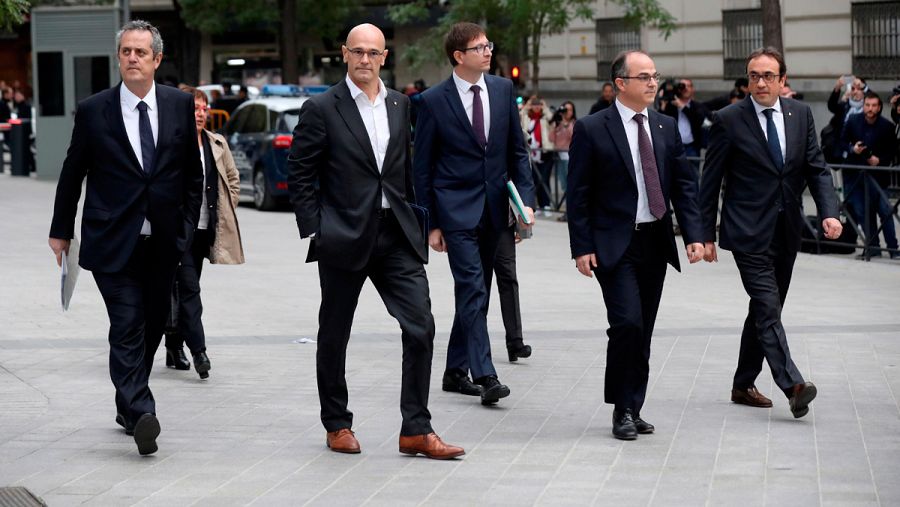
226	248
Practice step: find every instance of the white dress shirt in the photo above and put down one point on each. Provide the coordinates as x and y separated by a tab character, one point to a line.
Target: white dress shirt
777	117
203	223
375	118
631	132
468	99
131	118
684	125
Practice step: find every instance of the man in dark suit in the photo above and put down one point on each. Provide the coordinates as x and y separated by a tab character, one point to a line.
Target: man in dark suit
351	186
626	163
868	139
135	144
765	149
468	145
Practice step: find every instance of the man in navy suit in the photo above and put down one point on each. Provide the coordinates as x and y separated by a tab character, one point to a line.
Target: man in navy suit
626	163
136	145
468	145
766	150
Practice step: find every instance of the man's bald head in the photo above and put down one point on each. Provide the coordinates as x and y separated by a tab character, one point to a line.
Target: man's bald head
365	32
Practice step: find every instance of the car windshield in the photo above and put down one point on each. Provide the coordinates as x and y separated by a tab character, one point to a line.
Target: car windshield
290	119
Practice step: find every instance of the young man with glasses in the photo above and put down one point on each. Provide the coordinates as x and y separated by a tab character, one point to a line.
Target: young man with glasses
765	148
626	164
351	188
468	145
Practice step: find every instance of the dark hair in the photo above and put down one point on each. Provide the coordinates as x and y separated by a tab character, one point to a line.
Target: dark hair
569	103
872	95
741	82
459	35
618	68
198	94
770	52
608	84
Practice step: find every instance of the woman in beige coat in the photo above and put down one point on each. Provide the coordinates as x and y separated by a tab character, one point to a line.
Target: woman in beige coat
217	238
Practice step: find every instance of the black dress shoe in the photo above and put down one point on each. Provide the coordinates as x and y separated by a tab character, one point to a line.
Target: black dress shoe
145	432
456	381
642	426
623	425
517	350
491	390
175	358
201	364
120	420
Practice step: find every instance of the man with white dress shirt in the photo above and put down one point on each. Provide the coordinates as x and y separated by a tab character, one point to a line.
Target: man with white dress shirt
766	150
134	143
351	188
469	143
626	164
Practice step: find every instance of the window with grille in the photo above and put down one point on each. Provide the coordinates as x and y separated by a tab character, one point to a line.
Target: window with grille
876	39
742	33
613	37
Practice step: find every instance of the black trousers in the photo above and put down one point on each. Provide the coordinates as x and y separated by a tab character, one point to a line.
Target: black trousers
399	277
631	292
137	301
508	286
187	285
766	277
471	257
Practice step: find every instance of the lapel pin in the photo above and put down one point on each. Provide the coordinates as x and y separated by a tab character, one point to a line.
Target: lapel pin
660	126
789	113
395	102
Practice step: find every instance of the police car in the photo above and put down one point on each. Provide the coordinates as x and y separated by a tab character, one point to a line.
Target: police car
259	134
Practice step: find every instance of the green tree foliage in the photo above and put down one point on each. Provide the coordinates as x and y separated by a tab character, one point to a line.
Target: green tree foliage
12	13
509	23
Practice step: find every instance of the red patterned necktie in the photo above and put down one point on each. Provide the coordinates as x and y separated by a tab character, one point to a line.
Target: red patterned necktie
651	173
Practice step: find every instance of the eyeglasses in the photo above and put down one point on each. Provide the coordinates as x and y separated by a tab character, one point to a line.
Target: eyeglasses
769	77
645	78
480	48
359	53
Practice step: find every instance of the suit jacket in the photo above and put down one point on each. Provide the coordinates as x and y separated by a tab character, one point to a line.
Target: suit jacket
755	190
882	140
119	194
696	113
334	180
602	187
455	178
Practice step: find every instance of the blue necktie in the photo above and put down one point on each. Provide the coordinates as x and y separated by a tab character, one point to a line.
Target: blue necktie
772	140
148	147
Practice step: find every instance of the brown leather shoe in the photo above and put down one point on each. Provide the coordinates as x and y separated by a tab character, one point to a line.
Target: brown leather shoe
342	440
430	445
803	394
751	397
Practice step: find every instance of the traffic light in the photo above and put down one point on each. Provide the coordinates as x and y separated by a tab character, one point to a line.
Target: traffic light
515	74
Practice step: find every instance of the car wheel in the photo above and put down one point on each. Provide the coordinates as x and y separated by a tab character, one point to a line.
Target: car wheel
262	196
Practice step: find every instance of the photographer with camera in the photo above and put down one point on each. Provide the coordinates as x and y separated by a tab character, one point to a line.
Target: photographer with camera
689	115
869	139
536	127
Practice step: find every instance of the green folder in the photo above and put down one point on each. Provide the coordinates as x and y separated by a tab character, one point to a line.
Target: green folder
515	201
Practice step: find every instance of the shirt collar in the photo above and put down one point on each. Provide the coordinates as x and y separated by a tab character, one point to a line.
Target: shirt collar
464	86
760	108
626	112
131	100
356	91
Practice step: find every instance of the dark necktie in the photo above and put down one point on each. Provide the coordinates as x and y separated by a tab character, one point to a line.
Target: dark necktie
148	147
651	173
772	140
478	116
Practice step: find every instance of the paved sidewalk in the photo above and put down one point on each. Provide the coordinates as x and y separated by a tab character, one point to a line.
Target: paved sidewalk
251	434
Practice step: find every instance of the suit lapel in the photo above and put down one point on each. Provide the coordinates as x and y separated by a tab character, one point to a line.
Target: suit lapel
496	103
793	132
117	128
620	140
346	107
395	117
456	105
659	142
748	114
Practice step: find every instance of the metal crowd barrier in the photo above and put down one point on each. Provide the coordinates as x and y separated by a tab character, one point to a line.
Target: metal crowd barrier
217	119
